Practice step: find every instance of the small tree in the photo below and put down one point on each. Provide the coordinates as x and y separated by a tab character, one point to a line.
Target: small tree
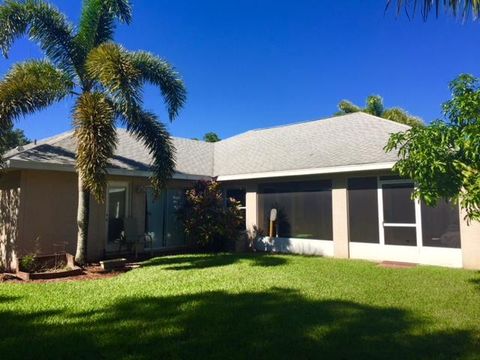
210	220
11	139
211	137
444	157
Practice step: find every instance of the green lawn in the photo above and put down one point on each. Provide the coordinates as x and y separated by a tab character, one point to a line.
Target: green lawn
247	306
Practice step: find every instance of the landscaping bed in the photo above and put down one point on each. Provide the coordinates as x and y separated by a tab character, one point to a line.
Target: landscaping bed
44	267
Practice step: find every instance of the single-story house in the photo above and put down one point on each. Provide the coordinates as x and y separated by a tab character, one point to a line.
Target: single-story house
329	180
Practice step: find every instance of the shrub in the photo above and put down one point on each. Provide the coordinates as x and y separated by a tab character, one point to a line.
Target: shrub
28	263
210	220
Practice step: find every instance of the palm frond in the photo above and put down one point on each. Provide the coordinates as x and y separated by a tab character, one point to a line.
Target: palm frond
461	8
97	23
401	116
94	121
154	135
112	66
374	105
31	86
158	72
45	25
347	107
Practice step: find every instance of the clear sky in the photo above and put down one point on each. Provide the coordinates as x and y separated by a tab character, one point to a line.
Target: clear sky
259	63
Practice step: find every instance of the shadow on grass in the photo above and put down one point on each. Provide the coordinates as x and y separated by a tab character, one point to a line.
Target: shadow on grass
6	299
280	323
215	260
476	280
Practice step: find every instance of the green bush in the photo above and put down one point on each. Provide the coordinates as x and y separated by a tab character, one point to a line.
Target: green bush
210	220
28	263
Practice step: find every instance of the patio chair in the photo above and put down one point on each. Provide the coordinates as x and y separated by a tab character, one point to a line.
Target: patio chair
130	238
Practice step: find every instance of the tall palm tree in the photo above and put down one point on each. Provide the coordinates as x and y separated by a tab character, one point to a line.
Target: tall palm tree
106	81
462	8
374	105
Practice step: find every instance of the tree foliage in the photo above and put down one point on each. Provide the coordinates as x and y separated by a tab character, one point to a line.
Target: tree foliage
106	79
444	157
211	137
374	106
210	220
11	139
460	8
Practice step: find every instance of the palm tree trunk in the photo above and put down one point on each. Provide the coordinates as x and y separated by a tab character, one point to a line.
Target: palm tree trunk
83	213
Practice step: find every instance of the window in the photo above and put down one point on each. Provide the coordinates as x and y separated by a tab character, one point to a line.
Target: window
399	220
240	196
304	209
398	206
117	208
440	225
174	231
162	222
363	210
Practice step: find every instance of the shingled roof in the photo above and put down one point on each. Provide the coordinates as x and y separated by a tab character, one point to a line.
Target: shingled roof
343	141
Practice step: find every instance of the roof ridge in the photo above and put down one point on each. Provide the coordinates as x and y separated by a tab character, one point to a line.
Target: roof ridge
383	119
325	119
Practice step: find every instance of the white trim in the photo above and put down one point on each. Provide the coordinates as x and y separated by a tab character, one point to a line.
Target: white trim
296	246
30	165
426	255
313	171
399	225
381	233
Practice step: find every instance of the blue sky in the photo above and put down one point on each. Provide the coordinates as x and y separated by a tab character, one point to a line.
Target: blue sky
251	64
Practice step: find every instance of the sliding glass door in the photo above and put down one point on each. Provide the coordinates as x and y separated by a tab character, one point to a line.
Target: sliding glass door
161	218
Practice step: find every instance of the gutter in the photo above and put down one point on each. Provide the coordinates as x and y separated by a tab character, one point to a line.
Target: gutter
28	165
313	171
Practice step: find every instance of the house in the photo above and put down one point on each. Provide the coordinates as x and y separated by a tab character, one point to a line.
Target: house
329	181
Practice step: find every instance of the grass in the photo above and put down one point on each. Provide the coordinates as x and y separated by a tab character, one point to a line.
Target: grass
247	306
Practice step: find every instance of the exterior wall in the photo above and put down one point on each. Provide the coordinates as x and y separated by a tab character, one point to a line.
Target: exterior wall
468	256
470	240
340	217
44	213
9	216
48	213
293	245
251	205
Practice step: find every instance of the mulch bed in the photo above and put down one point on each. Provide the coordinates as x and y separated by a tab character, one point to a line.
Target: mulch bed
90	272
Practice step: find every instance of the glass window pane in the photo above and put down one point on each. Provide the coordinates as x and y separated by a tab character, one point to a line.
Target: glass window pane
440	225
174	231
363	210
240	196
117	205
400	236
155	218
304	209
237	194
398	206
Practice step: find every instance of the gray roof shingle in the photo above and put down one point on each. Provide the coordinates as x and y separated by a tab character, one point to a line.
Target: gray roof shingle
192	157
351	139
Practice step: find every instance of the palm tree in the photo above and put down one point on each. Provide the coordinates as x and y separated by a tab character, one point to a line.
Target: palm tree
106	81
462	8
374	105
